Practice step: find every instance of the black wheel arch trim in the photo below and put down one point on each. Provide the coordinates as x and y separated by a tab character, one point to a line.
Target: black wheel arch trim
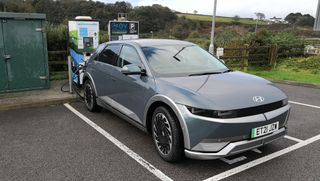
166	100
88	76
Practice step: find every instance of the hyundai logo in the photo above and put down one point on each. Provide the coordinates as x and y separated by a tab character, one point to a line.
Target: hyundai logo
258	99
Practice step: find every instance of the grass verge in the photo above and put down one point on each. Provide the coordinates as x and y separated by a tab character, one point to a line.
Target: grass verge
287	74
298	69
59	75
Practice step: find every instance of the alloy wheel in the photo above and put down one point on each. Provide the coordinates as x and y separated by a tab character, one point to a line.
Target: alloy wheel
162	133
88	95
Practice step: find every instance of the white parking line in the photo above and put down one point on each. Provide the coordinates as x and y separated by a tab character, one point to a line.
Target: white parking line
257	150
261	160
292	138
233	161
123	147
303	104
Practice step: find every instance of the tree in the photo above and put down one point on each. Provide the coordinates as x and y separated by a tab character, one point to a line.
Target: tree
60	11
299	19
260	16
236	19
152	18
195	12
306	20
16	6
292	18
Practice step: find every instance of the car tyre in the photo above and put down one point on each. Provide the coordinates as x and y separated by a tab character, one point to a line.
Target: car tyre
167	135
90	98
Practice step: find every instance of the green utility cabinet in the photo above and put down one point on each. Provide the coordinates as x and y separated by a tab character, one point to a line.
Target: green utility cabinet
23	52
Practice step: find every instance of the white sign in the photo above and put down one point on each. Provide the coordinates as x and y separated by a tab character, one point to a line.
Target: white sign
130	37
220	52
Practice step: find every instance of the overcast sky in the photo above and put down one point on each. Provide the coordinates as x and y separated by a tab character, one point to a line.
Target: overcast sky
243	8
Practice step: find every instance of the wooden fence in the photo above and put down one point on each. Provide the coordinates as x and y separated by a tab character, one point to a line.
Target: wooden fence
237	57
261	55
58	61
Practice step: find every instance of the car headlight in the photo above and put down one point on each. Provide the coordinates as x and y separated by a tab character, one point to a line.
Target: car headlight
284	102
210	113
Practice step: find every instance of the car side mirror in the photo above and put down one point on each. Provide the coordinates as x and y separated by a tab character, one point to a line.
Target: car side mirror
132	69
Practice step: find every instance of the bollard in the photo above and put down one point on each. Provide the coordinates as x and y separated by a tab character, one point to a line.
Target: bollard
70	75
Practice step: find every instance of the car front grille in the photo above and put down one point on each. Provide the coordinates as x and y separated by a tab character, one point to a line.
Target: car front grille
252	110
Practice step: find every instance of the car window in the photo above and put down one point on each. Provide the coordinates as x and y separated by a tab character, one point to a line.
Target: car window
129	55
181	60
98	50
110	54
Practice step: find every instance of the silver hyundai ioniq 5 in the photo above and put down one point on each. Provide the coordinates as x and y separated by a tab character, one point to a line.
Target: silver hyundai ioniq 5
189	101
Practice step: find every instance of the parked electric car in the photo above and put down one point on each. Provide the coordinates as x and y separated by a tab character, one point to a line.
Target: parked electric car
190	102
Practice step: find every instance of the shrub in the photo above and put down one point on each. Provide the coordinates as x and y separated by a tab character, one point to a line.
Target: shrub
261	38
179	32
103	37
57	37
301	63
227	38
194	34
286	38
202	42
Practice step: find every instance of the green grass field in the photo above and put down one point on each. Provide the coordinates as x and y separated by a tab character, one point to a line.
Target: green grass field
219	19
287	74
299	69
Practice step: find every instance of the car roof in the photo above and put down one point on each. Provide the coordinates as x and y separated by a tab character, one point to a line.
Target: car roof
153	42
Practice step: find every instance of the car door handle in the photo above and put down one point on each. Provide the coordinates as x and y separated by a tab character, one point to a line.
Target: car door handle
7	57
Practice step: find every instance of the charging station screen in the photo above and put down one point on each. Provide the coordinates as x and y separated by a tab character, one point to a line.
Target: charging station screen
84	36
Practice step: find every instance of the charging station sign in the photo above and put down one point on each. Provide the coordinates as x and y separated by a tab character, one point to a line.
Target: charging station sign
119	30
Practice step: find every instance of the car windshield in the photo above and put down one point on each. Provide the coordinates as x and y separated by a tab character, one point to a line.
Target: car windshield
182	60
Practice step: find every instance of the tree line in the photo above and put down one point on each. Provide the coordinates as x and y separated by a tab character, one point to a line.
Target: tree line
60	11
300	20
152	18
162	21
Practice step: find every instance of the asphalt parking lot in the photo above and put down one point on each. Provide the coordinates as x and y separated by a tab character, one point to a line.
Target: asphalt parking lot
66	142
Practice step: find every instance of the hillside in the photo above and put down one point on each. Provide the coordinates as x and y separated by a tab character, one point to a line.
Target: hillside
219	19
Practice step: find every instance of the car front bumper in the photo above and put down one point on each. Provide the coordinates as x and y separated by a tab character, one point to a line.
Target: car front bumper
237	147
211	138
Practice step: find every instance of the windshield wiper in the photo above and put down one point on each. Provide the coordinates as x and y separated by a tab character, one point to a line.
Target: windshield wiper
175	55
226	71
205	73
210	73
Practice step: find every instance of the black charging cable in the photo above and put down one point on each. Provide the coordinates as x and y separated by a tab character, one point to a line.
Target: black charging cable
75	87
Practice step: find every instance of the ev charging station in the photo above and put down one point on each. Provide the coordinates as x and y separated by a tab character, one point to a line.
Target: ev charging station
83	41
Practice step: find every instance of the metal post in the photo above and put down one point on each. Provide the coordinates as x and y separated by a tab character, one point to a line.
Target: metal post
211	47
70	75
256	28
317	19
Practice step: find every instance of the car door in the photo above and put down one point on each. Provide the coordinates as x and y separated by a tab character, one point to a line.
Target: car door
133	91
101	69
